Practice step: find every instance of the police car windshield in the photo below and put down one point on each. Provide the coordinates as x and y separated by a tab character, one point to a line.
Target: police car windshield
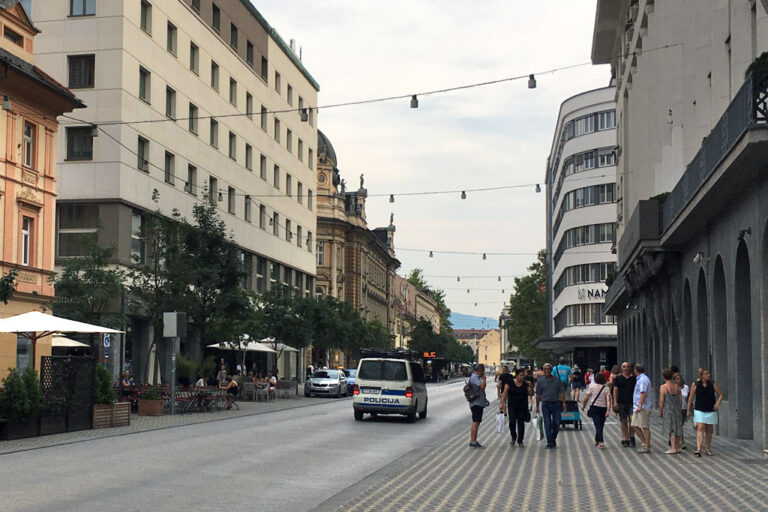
325	374
382	370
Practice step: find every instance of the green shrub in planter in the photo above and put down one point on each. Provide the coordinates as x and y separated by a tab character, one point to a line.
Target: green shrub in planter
105	393
14	404
150	394
34	391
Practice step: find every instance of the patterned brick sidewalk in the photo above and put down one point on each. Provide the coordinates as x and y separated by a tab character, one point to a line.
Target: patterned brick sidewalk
147	423
451	476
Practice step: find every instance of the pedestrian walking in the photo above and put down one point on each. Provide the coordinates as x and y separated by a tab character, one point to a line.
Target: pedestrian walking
222	375
504	378
622	390
669	411
577	383
615	372
705	406
514	401
563	372
599	408
549	390
588	377
642	400
480	402
531	382
684	392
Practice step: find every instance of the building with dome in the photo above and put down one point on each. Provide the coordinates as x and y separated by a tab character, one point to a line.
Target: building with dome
354	263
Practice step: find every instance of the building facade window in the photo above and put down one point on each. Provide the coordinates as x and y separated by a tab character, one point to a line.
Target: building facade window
193	118
289	95
214	135
143	154
263	167
249	105
276	177
606	120
288	232
309	243
320	253
289	140
277	82
194	58
26	240
277	130
146	17
249	157
309	199
82	7
264	68
196	5
264	118
232	146
171	39
75	223
275	224
213	190
583	274
262	216
310	159
191	180
79	143
170	103
13	36
215	76
233	36
247	208
137	238
170	168
299	235
231	200
288	185
145	78
300	150
249	53
29	144
82	71
216	17
233	91
300	192
261	272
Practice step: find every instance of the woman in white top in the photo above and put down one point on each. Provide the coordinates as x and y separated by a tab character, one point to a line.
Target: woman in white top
684	391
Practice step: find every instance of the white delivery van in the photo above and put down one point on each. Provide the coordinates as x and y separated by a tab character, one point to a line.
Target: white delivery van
390	386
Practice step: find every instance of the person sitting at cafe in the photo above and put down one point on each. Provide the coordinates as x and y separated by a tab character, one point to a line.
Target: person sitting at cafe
231	390
272	381
127	379
201	382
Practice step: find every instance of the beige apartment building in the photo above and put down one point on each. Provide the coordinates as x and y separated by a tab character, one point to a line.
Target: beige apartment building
196	100
489	348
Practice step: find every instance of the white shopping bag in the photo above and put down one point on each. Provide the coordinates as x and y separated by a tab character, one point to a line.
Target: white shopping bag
500	423
538	427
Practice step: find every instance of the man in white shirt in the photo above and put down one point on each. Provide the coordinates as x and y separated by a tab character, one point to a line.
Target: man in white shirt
642	403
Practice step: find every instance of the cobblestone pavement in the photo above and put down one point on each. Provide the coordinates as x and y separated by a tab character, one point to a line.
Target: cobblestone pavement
448	475
147	423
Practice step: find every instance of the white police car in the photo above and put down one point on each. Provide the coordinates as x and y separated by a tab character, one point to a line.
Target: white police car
389	386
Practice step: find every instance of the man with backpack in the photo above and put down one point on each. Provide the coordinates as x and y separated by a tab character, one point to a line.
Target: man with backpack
474	392
563	372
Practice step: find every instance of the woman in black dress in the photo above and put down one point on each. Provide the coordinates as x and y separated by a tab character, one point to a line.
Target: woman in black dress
514	402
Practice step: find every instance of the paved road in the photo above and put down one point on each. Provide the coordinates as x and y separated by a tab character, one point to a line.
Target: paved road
286	460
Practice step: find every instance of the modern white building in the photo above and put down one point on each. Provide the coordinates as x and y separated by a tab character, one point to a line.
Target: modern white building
197	100
581	218
692	287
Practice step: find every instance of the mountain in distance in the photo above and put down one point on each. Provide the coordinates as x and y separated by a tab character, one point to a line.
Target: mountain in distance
459	321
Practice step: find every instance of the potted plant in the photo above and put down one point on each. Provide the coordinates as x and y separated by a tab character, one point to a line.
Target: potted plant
150	403
107	412
20	406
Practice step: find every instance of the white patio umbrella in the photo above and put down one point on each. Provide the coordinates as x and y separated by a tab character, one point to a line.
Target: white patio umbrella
35	325
251	346
59	340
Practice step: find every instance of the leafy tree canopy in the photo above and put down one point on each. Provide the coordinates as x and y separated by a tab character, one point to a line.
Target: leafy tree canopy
528	310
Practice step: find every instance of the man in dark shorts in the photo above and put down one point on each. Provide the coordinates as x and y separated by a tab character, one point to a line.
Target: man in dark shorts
623	387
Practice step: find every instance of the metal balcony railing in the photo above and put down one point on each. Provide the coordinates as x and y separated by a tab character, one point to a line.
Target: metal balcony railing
748	110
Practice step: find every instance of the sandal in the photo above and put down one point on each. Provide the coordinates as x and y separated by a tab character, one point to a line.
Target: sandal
671	452
709	453
697	453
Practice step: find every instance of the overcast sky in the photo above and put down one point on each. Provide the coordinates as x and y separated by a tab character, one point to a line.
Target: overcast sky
483	137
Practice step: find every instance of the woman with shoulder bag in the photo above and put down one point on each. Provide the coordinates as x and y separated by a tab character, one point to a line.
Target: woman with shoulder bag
514	402
600	407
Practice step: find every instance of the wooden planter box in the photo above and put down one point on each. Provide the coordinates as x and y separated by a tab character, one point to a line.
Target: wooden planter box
19	429
114	415
150	407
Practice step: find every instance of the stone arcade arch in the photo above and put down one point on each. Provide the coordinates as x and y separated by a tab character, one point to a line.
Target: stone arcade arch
720	327
701	353
686	346
745	388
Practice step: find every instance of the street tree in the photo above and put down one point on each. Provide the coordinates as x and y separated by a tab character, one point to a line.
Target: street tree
528	311
7	284
416	278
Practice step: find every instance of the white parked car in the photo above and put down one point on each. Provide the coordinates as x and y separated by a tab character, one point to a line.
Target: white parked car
326	382
390	386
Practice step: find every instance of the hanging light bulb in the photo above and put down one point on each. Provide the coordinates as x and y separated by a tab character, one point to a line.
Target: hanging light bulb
531	82
458	279
221	197
414	101
391	198
484	257
6	103
499	278
463	194
271	221
304	115
467	290
502	290
430	254
475	304
538	188
94	130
